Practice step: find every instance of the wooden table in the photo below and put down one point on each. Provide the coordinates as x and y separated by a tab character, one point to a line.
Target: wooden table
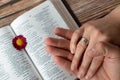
84	10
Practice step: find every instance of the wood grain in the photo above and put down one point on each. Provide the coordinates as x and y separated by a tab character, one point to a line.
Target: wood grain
3	2
84	10
10	12
18	6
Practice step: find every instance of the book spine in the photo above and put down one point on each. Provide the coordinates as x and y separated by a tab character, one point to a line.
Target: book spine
71	12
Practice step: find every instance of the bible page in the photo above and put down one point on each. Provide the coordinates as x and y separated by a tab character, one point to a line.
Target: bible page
14	64
36	25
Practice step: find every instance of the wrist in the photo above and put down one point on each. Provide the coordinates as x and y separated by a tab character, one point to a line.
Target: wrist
112	25
114	17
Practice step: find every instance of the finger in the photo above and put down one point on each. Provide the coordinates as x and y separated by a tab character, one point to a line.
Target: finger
65	33
64	63
96	63
84	65
74	40
59	52
82	45
60	43
105	49
86	61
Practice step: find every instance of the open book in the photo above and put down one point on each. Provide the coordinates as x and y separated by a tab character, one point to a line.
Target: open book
34	63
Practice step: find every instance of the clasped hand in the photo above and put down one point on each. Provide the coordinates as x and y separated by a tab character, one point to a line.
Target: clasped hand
99	59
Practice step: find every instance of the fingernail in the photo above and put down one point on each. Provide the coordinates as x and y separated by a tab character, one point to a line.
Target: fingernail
72	50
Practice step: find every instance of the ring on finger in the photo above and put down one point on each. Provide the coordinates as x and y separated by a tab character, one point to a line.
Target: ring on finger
84	41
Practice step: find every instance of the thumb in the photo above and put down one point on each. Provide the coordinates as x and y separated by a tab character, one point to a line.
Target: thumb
106	49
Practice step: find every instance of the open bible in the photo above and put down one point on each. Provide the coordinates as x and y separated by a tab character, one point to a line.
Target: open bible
33	63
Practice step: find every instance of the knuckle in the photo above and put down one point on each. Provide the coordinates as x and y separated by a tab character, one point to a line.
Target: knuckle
100	45
101	34
89	56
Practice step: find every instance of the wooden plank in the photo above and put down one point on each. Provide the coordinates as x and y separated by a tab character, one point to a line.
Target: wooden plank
86	10
19	6
2	2
7	20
